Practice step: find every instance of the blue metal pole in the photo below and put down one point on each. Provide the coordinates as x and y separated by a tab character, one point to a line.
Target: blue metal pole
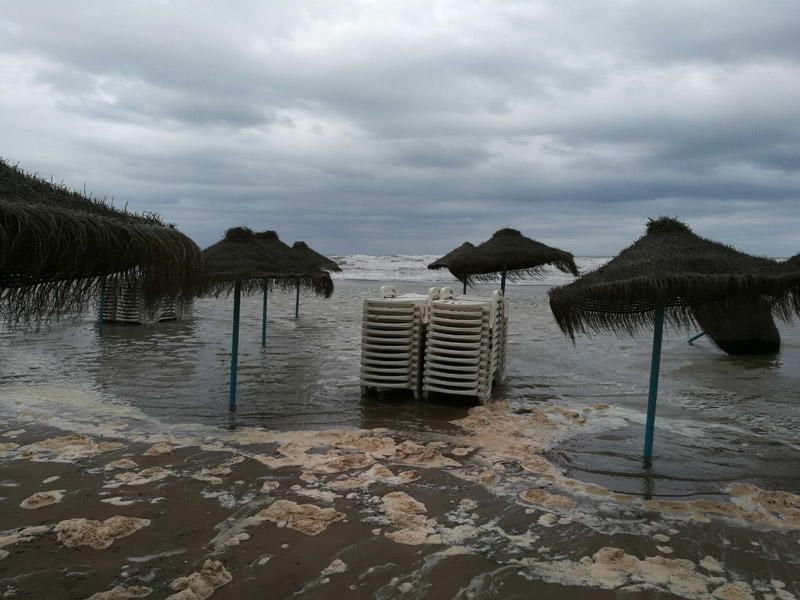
100	316
655	364
297	301
237	290
264	319
694	337
503	281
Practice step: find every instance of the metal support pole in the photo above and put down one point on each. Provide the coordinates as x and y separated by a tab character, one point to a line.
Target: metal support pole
297	301
655	364
101	309
264	319
237	290
503	281
694	337
465	286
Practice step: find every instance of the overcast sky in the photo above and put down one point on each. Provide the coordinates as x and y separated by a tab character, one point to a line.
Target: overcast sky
409	127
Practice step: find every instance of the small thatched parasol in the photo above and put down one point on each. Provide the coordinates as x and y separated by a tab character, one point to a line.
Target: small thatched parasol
58	247
314	258
444	261
510	254
256	261
668	273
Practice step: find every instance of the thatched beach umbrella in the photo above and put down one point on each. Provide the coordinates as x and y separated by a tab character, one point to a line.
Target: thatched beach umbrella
240	262
510	254
444	261
666	274
58	247
314	260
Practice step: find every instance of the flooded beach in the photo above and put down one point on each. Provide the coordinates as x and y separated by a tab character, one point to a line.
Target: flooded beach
313	491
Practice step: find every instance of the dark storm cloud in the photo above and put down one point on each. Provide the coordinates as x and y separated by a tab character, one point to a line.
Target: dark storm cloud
411	127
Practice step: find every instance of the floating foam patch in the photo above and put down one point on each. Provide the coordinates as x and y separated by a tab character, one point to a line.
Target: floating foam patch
544	499
305	518
118	501
122	592
67	448
142	477
123	463
612	568
201	584
26	534
269	486
337	566
73	533
159	449
42	499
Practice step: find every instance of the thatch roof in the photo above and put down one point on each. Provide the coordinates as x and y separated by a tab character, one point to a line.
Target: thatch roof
444	261
314	258
669	265
521	257
258	260
740	328
57	247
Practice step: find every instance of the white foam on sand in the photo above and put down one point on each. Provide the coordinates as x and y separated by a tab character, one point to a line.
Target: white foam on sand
73	533
201	584
612	568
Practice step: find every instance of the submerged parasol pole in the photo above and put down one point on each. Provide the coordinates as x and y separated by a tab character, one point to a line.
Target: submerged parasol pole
655	364
237	289
264	319
297	301
503	281
694	337
101	309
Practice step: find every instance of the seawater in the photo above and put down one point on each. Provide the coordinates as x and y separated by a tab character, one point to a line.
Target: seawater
719	418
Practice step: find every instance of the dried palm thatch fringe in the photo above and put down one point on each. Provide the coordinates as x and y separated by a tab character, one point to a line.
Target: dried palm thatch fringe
444	261
314	258
521	257
58	247
256	261
673	267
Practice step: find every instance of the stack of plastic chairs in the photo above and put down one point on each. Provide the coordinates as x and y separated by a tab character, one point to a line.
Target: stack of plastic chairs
124	303
465	344
393	338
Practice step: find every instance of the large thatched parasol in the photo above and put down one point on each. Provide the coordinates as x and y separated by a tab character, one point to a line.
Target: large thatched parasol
665	275
672	267
510	254
249	261
58	247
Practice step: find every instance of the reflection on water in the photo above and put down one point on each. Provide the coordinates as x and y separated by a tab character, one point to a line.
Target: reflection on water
719	419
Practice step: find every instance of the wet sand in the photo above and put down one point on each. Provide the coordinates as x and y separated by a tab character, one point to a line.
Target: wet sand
539	494
366	514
